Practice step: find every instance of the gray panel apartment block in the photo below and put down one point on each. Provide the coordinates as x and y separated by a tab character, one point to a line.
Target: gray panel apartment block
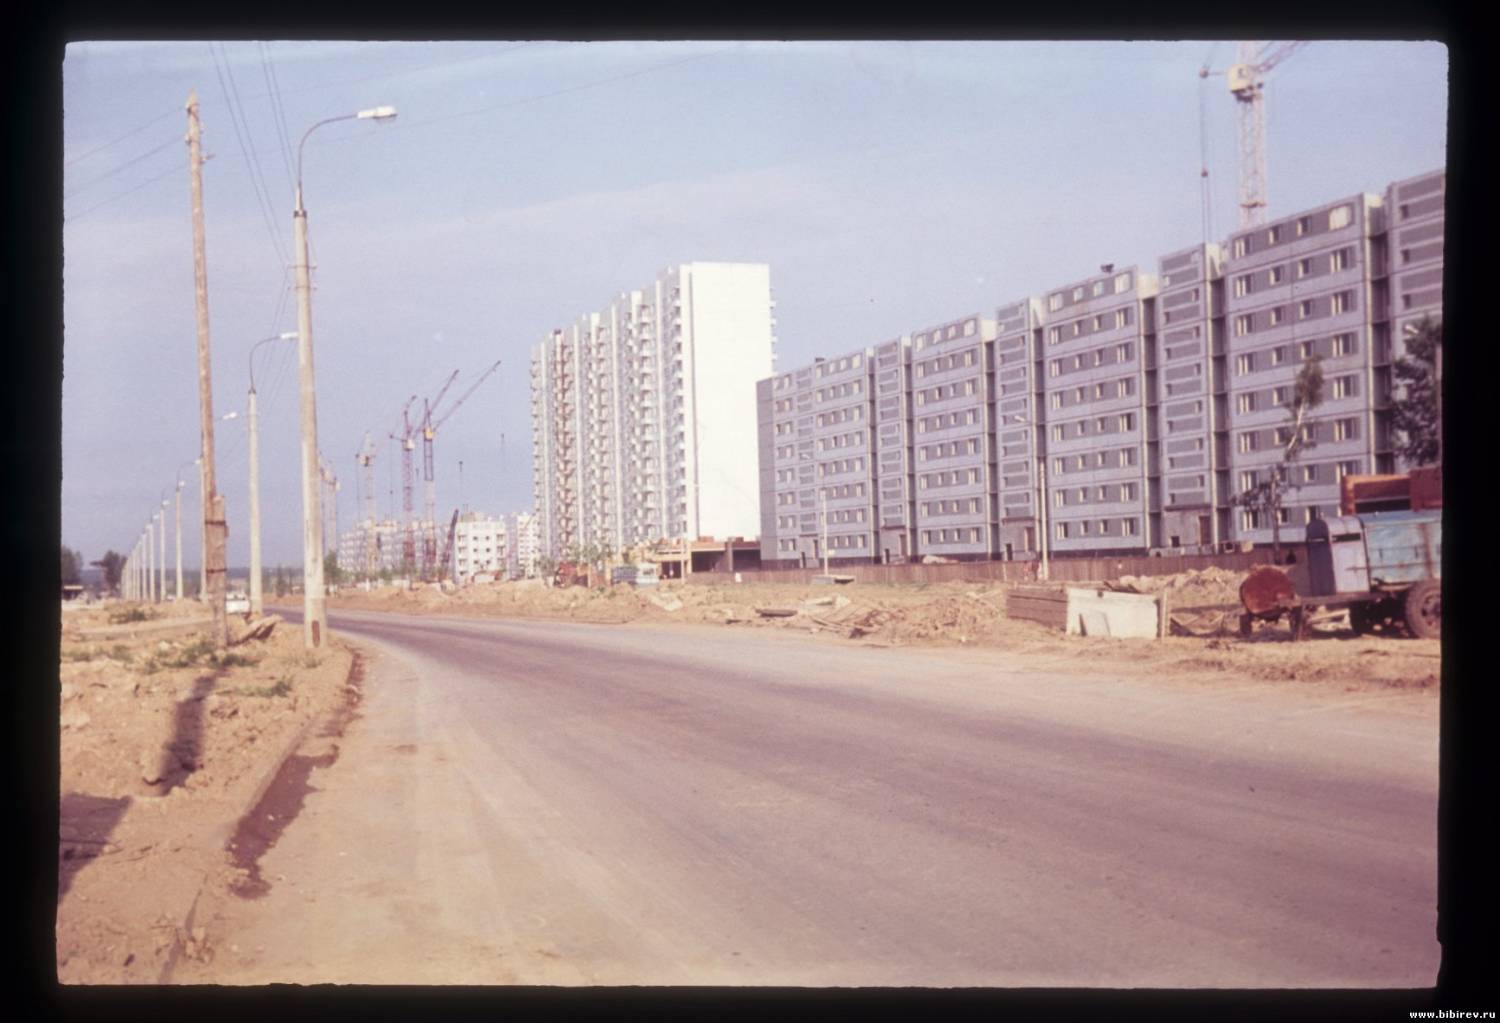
1309	284
952	390
1019	418
895	494
1095	344
1183	476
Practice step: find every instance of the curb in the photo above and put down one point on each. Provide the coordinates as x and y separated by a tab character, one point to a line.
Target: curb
223	832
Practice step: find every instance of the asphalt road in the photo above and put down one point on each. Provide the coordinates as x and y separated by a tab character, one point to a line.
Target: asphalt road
549	803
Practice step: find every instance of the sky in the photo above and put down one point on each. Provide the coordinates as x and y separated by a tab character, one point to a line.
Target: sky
889	186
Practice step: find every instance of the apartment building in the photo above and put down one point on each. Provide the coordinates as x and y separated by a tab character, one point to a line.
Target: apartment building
521	545
643	418
479	546
1309	285
1020	445
952	387
1139	406
1187	472
1097	336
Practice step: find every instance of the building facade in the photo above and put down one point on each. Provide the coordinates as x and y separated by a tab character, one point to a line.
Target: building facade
1121	413
479	546
643	419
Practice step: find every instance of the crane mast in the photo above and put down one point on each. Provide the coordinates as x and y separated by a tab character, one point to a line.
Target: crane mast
1246	82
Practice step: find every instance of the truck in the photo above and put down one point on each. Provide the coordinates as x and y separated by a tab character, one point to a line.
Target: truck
1384	567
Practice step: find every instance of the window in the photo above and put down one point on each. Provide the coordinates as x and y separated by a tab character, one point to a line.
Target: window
1278	355
1122	388
1098	390
1057	466
1276	274
1283	515
1242	286
1250	518
1246	402
1127	422
1240	247
1078	293
1343	344
1343	301
1247	480
1056	399
1078	361
1098	288
1054	367
1241	325
1249	442
1273	235
1339	260
1122	317
1343	469
1077	327
1057	432
1343	429
1122	283
1339	217
1083	527
1304	224
1061	531
1304	309
1127	492
1343	386
1123	352
1128	527
1278	396
1304	350
1244	364
1059	499
1310	473
1098	356
1276	314
1304	267
1054	301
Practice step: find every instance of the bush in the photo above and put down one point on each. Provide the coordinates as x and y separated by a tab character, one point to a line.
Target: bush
131	613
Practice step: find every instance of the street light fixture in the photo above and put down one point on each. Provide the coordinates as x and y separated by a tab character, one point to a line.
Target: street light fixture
314	615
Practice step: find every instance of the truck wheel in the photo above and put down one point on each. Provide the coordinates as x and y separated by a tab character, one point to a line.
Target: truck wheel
1424	610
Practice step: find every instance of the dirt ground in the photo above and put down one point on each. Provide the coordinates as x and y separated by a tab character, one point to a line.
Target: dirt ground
1204	608
163	746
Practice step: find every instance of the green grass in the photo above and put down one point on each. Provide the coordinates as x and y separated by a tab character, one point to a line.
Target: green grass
281	687
199	652
131	613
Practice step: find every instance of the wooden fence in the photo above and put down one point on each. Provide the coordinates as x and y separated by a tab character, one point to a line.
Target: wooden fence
1060	569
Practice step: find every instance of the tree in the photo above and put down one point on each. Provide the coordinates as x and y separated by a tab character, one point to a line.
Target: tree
1267	495
332	574
113	566
280	581
1416	411
72	566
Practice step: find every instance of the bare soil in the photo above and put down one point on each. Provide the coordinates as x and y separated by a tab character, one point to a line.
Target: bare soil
163	746
1204	607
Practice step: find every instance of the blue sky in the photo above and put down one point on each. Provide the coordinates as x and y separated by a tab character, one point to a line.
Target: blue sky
889	186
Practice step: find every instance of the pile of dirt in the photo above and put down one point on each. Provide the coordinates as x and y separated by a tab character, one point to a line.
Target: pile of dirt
163	744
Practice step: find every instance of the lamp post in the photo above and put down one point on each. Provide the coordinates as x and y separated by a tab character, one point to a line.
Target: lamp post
314	615
184	465
255	571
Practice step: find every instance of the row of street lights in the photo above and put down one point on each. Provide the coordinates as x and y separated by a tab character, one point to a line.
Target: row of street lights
136	581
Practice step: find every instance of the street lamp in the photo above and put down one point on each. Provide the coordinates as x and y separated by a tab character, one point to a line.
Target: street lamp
1041	487
161	533
314	616
184	465
255	570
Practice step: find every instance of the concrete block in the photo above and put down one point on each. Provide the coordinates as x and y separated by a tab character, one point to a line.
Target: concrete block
1132	615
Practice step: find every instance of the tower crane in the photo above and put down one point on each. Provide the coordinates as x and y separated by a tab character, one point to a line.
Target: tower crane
365	480
331	481
429	435
408	544
1246	84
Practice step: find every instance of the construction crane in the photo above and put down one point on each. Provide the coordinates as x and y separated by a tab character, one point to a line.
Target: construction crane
429	435
429	537
404	438
1246	84
365	480
331	481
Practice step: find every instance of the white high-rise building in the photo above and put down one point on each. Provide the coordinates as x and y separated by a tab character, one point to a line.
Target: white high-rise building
479	543
644	414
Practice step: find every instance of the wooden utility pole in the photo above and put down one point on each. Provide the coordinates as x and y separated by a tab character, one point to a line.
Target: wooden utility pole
214	528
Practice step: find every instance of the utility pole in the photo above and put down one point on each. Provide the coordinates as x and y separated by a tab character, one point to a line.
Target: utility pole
150	563
213	505
179	541
314	608
161	567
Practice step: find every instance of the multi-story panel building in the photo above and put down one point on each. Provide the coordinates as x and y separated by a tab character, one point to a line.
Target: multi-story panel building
843	495
479	546
1142	405
895	496
952	384
1096	337
1019	416
1184	475
1301	287
644	414
521	545
1415	222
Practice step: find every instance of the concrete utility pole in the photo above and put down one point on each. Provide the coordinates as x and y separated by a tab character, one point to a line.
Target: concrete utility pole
179	541
150	563
214	527
161	535
314	604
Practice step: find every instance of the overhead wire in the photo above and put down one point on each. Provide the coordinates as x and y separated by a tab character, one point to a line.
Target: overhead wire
253	166
269	71
115	170
78	216
132	132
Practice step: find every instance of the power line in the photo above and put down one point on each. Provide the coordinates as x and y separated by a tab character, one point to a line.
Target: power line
255	177
111	173
269	70
106	202
122	138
